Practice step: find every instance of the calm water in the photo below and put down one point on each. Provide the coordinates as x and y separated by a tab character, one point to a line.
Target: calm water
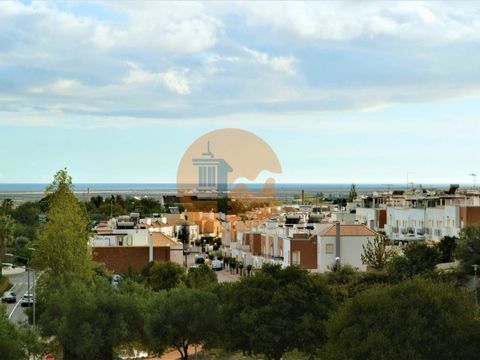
171	187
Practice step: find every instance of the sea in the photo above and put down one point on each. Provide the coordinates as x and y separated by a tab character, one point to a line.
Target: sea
35	191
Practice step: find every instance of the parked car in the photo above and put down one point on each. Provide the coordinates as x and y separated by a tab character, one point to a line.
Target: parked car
116	280
199	260
27	300
9	297
216	265
7	266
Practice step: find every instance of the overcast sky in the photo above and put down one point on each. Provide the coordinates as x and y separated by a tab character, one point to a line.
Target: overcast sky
343	92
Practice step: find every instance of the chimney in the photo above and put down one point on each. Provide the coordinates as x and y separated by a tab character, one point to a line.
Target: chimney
337	239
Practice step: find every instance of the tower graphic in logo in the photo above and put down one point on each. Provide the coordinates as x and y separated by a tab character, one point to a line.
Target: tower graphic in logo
212	172
226	165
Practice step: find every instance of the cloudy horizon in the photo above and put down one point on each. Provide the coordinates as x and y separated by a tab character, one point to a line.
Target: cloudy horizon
342	91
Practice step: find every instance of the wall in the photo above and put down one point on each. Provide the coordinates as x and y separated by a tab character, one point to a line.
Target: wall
469	215
118	258
308	252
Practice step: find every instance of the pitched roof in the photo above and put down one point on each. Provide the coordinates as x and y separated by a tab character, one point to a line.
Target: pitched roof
160	239
349	230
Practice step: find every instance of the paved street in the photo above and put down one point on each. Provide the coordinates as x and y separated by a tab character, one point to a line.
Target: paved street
223	276
15	312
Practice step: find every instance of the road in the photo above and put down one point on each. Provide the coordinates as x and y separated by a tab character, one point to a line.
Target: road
222	276
15	312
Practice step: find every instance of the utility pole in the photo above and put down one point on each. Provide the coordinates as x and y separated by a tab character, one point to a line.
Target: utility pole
474	180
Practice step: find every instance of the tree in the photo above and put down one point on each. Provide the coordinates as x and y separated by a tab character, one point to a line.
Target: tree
63	242
446	247
417	258
164	275
7	207
180	318
7	227
416	319
376	255
87	317
11	346
468	248
274	311
353	193
201	277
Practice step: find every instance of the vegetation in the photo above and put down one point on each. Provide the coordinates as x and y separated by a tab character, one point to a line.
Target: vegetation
468	248
376	255
202	277
447	247
164	275
182	317
417	319
352	194
63	242
417	258
275	311
6	234
87	317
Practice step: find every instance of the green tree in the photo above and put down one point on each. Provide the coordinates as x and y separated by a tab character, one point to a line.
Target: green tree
468	248
11	345
376	255
276	310
353	193
7	227
180	318
201	277
446	247
7	207
417	319
87	317
417	258
63	242
164	275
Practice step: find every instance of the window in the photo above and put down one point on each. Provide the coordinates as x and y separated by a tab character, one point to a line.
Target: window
329	248
295	257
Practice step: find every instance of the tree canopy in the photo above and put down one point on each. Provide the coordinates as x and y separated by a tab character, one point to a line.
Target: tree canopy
275	311
87	316
180	318
417	258
11	344
201	277
63	242
468	248
376	255
416	319
164	275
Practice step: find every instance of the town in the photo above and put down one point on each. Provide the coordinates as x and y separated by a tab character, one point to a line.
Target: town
239	180
332	249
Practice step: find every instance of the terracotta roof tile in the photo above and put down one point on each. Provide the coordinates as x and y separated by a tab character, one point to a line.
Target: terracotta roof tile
349	230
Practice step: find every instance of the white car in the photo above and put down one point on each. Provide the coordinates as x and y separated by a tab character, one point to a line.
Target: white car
216	265
27	300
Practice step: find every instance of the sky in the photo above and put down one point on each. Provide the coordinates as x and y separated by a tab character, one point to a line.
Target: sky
363	92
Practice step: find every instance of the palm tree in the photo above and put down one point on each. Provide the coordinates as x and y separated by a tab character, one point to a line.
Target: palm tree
7	227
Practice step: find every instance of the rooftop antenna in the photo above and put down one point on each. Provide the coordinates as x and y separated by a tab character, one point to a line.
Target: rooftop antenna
474	180
208	153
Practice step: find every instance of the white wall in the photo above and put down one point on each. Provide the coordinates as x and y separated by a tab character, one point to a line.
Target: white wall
350	252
